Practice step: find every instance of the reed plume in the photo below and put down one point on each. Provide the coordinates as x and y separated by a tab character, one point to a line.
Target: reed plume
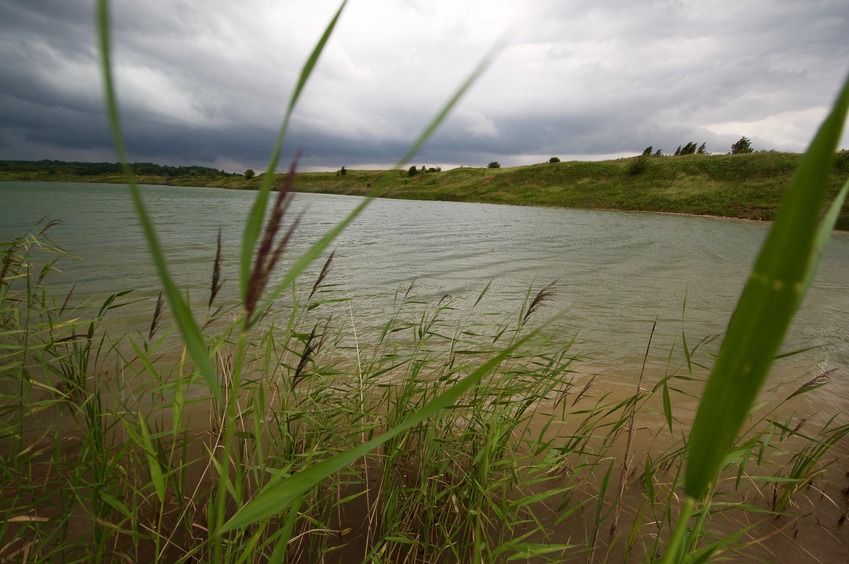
157	313
269	252
542	296
217	282
312	345
325	270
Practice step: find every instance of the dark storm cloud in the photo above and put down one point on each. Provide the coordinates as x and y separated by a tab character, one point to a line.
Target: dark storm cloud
207	82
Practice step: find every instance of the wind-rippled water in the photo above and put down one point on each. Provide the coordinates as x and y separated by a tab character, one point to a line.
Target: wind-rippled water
615	272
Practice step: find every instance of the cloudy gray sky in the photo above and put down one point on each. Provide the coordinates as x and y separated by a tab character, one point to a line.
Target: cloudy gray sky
206	81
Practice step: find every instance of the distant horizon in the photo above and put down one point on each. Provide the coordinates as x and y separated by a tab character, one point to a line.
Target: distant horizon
282	166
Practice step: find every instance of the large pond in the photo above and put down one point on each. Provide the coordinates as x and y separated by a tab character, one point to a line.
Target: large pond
615	272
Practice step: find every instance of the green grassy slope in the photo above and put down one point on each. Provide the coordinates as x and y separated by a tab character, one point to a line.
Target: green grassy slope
743	186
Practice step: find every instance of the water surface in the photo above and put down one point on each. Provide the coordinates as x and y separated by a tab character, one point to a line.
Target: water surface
615	272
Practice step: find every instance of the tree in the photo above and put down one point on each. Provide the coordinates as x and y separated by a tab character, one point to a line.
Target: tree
647	152
702	150
412	171
658	153
678	151
342	171
689	148
741	146
494	164
249	174
554	160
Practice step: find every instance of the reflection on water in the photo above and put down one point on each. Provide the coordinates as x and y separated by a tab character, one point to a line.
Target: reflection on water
616	272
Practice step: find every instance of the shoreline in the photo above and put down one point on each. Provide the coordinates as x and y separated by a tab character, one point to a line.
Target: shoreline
841	227
741	186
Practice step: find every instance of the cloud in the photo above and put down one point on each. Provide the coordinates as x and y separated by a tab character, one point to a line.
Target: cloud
208	82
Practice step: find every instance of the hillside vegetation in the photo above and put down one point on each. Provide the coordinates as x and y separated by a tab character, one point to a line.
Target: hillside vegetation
747	186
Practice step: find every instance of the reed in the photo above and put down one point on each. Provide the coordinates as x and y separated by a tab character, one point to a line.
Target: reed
280	431
519	465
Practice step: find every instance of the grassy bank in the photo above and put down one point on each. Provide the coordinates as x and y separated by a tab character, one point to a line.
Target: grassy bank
746	186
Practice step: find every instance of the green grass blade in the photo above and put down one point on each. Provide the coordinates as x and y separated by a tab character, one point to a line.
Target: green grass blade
253	224
675	548
824	234
667	404
449	105
765	309
156	475
320	246
281	493
185	321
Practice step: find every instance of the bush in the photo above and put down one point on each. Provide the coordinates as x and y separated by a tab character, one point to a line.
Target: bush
638	165
494	164
841	162
554	160
741	146
342	171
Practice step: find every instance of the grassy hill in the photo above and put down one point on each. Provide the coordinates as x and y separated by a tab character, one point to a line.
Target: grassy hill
746	186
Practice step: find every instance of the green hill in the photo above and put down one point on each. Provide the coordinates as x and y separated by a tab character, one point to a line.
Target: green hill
746	186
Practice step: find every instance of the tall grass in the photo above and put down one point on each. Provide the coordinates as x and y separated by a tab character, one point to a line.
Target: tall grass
452	435
523	464
123	457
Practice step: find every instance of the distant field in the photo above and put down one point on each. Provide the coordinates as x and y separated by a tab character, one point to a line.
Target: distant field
747	186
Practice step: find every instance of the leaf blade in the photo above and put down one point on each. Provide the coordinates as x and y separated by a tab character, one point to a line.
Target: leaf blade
766	307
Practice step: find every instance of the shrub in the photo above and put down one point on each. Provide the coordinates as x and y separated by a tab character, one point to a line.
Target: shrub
841	162
554	160
638	165
494	164
741	146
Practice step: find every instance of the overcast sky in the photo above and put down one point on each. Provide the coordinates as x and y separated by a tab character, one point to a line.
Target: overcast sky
206	82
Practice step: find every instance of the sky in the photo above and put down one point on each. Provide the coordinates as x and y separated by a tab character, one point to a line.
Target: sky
206	82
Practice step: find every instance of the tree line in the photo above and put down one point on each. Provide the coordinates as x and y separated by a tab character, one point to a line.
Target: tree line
62	168
744	145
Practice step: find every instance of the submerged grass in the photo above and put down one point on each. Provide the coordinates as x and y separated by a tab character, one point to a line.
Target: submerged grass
444	438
